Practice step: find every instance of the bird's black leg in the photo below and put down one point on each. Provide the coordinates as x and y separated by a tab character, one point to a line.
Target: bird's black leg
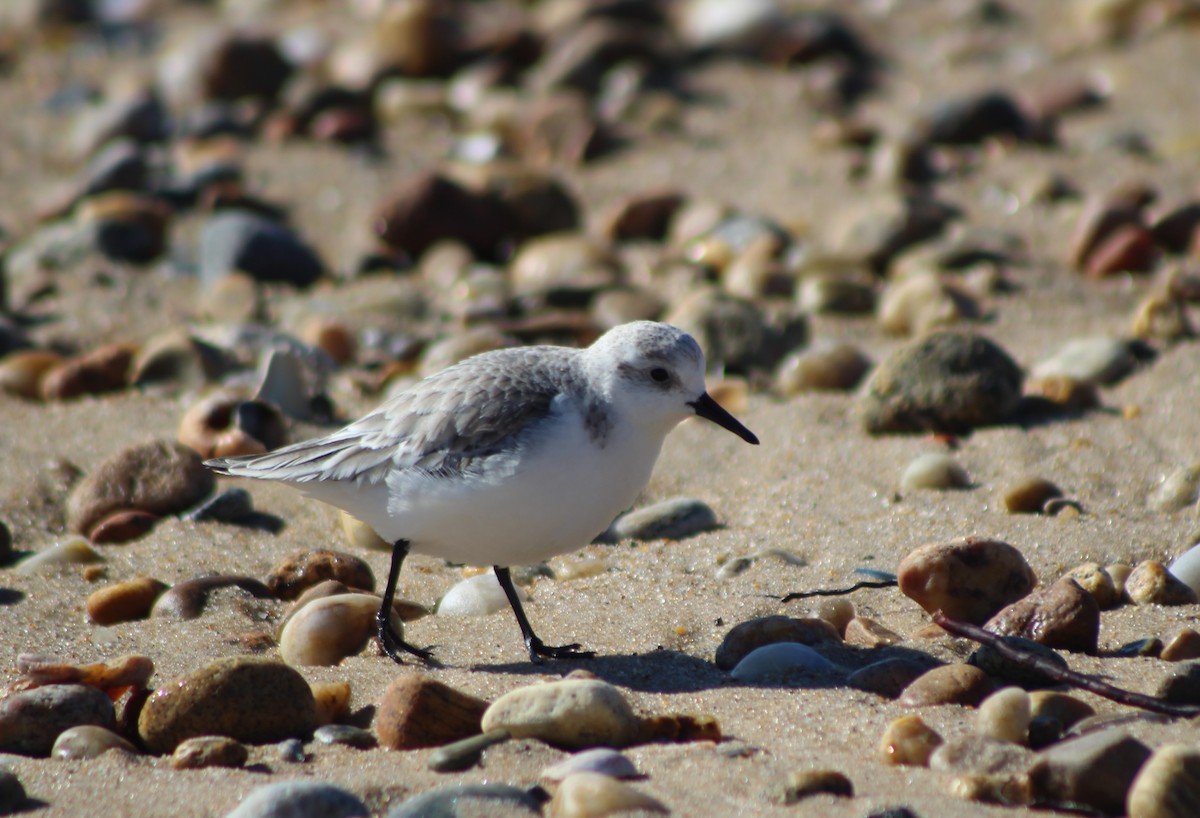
391	641
535	646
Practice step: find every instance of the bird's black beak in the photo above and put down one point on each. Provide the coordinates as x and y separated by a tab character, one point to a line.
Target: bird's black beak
709	409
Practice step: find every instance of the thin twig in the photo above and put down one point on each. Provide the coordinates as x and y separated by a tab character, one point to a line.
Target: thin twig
1061	674
883	583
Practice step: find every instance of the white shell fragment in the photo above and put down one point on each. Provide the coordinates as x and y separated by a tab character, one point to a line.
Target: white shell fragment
479	595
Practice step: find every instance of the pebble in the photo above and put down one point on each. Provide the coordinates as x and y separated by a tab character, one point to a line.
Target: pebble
980	755
887	678
934	471
1095	579
1161	317
465	754
673	519
161	477
1149	647
999	667
943	382
209	751
974	118
12	793
969	579
1178	490
361	535
225	424
1029	495
175	358
427	208
31	720
87	741
1093	771
1005	715
1061	707
908	741
880	228
124	601
645	215
1120	573
327	630
825	293
1183	646
249	699
865	632
346	734
801	785
416	711
745	637
572	714
300	799
303	569
593	795
291	751
736	334
836	610
1061	615
1182	684
480	595
1168	785
600	761
71	551
780	661
126	671
257	246
1095	361
961	684
468	800
122	527
21	372
561	269
1100	218
233	505
105	369
823	366
921	303
332	700
1151	584
187	599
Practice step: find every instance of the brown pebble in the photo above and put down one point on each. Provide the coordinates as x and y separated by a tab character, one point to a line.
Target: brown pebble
243	697
123	526
302	570
1071	394
1029	496
331	335
105	369
968	579
1062	615
1092	771
908	741
1182	646
21	372
1168	784
1100	218
209	751
1130	249
1063	708
159	477
210	428
127	671
949	684
746	637
125	601
864	632
643	216
1095	579
186	600
416	711
1151	584
804	784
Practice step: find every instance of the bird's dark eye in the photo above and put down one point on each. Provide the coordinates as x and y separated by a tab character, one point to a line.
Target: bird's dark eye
659	374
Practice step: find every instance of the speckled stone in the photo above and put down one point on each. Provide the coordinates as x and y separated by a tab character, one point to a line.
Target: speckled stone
673	519
943	382
1151	584
300	799
572	713
303	569
31	720
969	579
1062	615
253	700
1095	579
160	477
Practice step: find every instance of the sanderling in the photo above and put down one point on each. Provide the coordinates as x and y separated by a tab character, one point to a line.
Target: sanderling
506	458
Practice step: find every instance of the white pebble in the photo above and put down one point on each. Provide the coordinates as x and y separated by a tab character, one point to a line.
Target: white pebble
601	760
1186	568
71	551
327	630
479	595
770	662
936	471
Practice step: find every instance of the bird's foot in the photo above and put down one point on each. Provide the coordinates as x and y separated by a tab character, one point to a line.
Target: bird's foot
538	650
394	646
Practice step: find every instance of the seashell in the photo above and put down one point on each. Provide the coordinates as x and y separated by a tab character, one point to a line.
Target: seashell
480	595
599	761
71	551
86	741
591	795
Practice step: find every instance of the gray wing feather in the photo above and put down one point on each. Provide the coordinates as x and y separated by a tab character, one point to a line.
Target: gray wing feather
441	426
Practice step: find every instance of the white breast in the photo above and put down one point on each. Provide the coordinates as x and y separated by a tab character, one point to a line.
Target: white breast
552	495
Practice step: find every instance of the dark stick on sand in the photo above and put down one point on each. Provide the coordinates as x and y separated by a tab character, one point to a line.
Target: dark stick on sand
1066	676
882	583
